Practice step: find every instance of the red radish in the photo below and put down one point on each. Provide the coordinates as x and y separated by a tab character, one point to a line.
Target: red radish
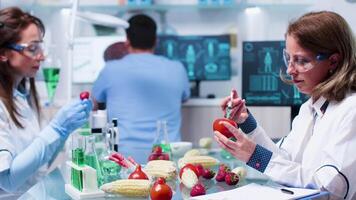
84	95
138	174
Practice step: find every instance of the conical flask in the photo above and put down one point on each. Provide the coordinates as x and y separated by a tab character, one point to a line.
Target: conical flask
161	138
91	158
110	169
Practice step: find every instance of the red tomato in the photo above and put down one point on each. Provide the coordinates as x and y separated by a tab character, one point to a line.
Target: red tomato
160	190
221	128
138	174
84	95
191	167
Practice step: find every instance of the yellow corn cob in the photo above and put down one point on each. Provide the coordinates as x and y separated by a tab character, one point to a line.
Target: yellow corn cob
206	161
192	152
128	187
161	168
160	163
156	172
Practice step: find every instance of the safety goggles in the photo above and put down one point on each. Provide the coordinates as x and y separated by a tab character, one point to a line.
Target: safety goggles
31	50
302	64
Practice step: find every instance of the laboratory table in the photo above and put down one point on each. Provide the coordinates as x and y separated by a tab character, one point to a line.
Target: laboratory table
52	186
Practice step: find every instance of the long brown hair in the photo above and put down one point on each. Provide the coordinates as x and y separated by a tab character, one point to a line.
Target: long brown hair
12	22
328	33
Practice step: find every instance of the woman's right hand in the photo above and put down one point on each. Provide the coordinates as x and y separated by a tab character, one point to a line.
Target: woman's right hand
238	112
72	116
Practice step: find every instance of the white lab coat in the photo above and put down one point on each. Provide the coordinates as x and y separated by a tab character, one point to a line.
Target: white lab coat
14	140
318	145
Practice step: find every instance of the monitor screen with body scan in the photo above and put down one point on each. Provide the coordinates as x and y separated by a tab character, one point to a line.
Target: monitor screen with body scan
204	57
261	82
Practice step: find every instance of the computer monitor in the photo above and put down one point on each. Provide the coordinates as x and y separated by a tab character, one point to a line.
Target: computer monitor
261	84
204	57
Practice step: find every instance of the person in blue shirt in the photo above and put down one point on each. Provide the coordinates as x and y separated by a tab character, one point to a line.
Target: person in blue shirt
26	150
141	88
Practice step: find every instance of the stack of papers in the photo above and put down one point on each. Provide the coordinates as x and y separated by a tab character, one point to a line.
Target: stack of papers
255	191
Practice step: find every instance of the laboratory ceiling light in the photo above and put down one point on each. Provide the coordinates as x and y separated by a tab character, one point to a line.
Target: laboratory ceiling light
103	19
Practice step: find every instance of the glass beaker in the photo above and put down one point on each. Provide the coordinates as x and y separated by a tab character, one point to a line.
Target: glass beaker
51	71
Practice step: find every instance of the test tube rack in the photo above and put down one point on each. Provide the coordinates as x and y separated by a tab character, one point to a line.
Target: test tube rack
90	187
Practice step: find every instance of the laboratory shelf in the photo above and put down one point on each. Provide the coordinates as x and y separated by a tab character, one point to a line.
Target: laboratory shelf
114	6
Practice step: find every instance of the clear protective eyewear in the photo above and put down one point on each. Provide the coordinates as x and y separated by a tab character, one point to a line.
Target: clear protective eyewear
31	50
302	64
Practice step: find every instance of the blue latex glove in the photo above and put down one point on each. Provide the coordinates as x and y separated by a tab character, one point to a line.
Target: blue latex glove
71	117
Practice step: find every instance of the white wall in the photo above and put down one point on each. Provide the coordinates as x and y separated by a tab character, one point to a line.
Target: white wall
268	24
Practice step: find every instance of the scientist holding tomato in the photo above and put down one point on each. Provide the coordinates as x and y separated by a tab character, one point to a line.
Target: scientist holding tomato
318	153
26	150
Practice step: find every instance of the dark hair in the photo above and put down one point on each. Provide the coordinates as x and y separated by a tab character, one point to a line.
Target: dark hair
328	33
141	32
13	21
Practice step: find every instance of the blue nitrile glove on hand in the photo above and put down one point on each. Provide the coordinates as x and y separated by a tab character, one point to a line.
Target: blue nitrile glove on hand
71	117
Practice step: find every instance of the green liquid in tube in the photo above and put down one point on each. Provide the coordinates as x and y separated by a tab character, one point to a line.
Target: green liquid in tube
77	175
78	156
51	77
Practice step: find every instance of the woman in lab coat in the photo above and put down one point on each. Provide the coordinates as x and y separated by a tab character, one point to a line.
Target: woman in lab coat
24	148
319	151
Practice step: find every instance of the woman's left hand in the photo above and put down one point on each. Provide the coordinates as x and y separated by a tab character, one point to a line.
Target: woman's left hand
241	149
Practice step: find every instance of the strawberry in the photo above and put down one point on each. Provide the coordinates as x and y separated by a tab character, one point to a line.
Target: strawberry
157	149
208	173
220	177
200	169
153	157
163	157
198	189
223	169
231	178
